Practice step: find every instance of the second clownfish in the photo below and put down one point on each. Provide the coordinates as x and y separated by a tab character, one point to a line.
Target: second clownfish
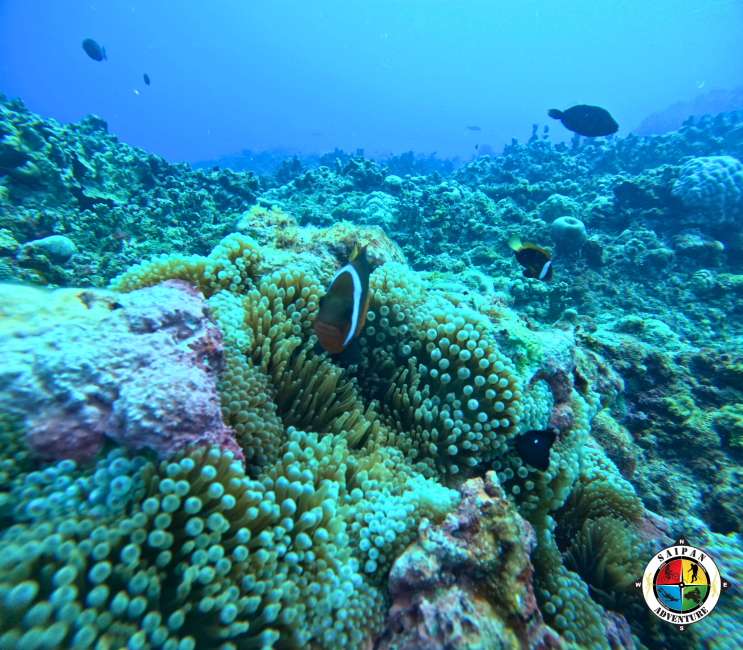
343	308
536	261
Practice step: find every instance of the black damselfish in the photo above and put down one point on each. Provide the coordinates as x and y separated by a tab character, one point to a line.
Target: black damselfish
534	447
591	121
146	79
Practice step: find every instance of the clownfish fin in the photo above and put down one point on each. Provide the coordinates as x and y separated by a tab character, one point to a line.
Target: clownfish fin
515	242
352	353
357	253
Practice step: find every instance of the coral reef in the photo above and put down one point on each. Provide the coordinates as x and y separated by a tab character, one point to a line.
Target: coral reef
467	582
712	185
80	366
440	391
568	233
116	204
711	102
317	491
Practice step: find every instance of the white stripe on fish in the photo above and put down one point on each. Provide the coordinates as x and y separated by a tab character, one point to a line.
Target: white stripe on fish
348	268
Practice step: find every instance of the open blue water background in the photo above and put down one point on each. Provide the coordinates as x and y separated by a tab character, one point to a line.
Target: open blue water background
383	76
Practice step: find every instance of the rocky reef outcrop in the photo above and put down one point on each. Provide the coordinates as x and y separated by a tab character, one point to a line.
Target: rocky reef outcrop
80	366
467	582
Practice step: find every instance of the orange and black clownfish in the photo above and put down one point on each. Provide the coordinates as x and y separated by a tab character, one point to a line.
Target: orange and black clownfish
536	261
343	308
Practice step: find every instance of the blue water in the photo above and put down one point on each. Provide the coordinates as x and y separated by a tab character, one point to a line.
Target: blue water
386	77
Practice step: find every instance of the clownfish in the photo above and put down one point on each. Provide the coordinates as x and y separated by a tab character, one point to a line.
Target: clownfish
536	261
343	308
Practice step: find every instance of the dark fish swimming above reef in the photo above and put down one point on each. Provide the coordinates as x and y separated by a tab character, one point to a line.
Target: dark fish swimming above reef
343	308
146	78
591	121
534	448
93	50
474	128
536	261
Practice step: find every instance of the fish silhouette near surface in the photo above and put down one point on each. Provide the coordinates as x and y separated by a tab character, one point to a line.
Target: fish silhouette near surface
590	121
146	78
94	51
474	128
343	308
536	261
534	447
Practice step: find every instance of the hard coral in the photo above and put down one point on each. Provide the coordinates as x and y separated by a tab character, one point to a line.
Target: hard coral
139	369
316	250
568	233
712	188
467	582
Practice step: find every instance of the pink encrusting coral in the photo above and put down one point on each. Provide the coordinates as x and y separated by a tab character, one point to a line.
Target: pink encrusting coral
83	365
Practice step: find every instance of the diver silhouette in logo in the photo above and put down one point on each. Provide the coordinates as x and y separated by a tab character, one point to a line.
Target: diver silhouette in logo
694	595
667	596
694	570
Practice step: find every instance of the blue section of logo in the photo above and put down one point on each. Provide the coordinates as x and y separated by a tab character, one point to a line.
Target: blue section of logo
670	596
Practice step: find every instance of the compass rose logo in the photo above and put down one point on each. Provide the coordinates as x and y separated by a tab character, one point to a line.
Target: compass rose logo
681	584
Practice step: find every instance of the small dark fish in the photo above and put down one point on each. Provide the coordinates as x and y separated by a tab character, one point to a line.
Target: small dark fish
536	261
313	133
590	121
534	448
146	79
215	168
477	146
93	50
473	128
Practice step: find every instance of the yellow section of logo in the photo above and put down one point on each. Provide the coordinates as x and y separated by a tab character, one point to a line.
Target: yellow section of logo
693	573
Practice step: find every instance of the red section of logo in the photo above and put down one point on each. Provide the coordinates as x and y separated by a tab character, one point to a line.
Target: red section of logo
670	574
